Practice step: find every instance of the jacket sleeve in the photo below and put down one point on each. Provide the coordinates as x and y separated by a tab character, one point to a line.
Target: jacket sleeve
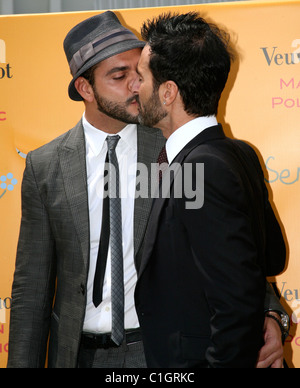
34	280
275	246
226	256
272	302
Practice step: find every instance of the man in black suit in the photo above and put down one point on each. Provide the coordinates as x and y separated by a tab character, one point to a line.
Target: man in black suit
201	286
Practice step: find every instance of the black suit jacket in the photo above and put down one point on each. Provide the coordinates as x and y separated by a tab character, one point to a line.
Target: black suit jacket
201	287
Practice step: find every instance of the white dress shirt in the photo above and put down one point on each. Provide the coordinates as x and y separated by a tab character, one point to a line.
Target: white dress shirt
98	320
183	135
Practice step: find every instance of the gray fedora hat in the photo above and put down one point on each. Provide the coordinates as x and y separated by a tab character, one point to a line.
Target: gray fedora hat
94	40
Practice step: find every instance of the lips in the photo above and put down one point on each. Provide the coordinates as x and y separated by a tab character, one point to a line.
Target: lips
133	101
138	102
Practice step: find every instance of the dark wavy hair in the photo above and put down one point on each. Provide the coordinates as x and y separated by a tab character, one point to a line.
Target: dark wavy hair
192	53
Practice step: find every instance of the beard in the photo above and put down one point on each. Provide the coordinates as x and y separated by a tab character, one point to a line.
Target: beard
115	110
152	112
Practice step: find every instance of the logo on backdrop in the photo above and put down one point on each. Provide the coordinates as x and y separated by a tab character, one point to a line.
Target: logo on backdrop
5	304
2	316
292	296
286	176
2	51
5	68
20	153
2	116
287	97
7	184
5	73
275	56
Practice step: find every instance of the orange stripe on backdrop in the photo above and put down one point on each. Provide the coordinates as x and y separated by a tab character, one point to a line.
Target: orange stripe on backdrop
261	104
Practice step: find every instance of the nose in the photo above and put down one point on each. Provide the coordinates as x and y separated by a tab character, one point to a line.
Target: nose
135	84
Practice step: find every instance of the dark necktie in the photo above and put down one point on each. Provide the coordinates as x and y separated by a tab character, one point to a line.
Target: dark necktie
115	231
103	245
162	162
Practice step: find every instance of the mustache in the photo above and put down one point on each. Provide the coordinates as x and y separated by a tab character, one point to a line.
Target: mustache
132	99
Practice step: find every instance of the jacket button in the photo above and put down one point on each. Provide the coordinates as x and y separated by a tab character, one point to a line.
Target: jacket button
82	288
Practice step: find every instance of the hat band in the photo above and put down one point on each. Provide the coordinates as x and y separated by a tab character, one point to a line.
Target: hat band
91	49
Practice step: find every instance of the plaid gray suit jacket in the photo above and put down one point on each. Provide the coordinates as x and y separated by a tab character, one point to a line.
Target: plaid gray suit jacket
49	288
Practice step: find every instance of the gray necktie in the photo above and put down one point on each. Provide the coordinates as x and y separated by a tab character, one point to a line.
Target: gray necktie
117	277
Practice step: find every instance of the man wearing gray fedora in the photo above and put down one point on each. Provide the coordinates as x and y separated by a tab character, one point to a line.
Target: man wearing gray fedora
81	241
63	203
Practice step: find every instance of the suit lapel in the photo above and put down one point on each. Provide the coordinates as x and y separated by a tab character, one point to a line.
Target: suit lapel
72	156
209	134
73	165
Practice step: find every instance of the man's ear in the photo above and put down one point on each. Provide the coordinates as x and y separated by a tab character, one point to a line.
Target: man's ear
84	88
169	92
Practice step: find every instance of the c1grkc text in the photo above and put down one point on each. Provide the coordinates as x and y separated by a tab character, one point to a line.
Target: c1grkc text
169	377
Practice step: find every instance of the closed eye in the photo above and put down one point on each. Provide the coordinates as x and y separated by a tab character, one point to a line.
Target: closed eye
119	78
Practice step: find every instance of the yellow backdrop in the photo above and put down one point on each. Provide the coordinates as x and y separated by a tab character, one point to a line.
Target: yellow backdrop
261	104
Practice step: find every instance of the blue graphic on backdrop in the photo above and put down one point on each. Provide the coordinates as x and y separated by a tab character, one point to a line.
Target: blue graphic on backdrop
7	183
21	154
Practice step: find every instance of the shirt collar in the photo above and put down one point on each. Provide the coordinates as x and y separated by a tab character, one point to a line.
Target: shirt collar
96	138
183	135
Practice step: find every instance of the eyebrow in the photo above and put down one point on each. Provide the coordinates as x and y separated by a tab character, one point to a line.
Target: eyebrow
117	69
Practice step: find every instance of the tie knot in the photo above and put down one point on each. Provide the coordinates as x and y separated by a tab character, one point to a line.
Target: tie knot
162	157
112	142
